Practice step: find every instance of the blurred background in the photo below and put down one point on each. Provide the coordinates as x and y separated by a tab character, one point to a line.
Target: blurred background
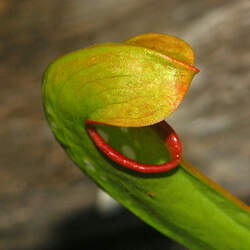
48	203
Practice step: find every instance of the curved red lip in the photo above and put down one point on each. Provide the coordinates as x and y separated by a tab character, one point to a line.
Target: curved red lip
171	140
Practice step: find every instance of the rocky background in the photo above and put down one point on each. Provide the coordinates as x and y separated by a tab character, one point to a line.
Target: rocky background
45	201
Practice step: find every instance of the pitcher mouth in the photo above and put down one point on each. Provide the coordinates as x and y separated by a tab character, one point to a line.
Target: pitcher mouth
170	138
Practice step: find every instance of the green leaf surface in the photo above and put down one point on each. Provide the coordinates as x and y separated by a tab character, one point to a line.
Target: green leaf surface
128	86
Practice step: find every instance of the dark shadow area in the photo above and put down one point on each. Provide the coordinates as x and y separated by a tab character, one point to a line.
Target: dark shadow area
88	229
